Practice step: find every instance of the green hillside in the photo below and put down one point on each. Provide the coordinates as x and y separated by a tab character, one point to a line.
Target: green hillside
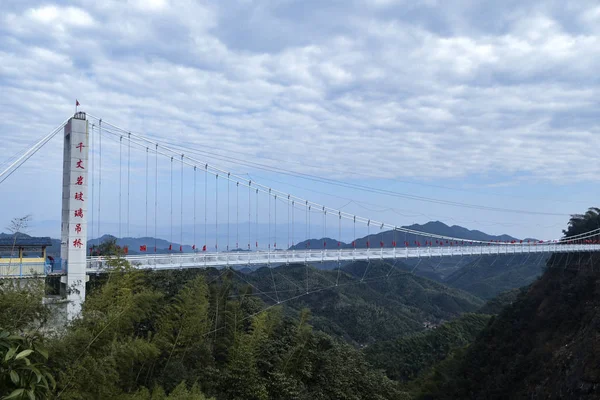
365	307
543	345
406	357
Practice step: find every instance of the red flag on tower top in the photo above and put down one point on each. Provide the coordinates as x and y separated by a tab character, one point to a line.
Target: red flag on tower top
77	103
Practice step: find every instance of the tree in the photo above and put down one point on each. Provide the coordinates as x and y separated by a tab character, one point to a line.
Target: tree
181	334
21	308
581	223
181	392
23	370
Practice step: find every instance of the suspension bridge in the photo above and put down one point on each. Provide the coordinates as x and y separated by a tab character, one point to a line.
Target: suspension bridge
232	221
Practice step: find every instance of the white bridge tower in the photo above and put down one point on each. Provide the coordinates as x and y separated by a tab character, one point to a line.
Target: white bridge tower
74	211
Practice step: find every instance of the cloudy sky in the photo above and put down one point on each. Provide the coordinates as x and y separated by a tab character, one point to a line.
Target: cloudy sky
489	103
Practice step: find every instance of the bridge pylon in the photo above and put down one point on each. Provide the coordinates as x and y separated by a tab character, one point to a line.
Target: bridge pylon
75	202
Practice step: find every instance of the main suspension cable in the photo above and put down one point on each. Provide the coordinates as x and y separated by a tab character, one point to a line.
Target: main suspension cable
15	165
349	216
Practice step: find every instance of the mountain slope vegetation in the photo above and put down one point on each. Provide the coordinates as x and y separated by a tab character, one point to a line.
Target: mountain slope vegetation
373	301
543	345
406	357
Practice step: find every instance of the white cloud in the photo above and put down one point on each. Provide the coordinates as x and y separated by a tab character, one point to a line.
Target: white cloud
425	103
60	16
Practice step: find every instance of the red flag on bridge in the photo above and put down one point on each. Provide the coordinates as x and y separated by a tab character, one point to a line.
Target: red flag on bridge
204	248
76	103
143	247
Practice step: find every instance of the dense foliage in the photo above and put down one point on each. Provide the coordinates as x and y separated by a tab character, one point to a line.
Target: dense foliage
23	369
372	302
406	357
581	223
203	337
488	276
543	345
504	299
368	331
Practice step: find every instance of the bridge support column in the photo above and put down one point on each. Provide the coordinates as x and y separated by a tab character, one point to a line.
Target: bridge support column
74	211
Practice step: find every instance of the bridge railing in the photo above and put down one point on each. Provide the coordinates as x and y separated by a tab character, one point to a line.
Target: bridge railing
196	260
28	269
23	269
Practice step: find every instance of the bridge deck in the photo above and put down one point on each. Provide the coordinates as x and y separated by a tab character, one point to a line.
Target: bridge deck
199	260
255	258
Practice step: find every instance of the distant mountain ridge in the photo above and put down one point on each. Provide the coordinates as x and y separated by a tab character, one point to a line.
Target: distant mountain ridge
457	231
52	250
387	237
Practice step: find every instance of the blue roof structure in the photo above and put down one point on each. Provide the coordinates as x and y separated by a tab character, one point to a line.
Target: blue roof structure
25	242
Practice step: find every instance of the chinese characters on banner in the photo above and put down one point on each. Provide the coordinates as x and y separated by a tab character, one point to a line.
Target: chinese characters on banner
78	195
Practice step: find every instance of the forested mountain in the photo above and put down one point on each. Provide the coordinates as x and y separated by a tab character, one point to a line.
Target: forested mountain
482	276
543	345
486	277
142	335
544	342
373	301
364	331
202	333
407	356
